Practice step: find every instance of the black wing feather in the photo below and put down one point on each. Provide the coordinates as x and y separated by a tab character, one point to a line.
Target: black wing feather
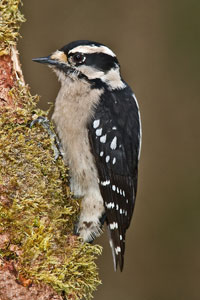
114	138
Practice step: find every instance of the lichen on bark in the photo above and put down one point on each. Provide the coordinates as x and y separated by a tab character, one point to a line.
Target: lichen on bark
37	210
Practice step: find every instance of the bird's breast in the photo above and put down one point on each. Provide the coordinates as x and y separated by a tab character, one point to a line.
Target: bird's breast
75	105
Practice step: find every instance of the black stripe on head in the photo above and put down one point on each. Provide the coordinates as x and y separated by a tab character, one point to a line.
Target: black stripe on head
75	44
101	61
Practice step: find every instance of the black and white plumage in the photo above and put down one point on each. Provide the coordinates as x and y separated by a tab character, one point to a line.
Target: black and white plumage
98	121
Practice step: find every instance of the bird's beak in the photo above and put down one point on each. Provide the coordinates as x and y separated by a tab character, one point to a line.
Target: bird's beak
46	60
56	58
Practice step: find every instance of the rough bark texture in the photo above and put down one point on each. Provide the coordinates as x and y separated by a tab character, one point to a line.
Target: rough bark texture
12	289
7	80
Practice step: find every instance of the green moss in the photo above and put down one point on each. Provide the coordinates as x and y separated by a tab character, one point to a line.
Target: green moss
10	20
39	214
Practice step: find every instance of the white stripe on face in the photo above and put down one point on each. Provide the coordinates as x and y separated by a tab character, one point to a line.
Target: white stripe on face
112	78
93	49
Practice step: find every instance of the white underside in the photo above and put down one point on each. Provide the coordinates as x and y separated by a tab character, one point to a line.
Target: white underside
74	105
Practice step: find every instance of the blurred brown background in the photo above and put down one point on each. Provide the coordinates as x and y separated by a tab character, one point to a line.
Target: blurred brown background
158	46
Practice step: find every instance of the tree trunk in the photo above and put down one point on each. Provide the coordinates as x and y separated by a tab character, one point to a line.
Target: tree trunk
40	258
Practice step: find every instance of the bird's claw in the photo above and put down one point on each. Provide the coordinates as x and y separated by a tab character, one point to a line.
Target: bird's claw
55	143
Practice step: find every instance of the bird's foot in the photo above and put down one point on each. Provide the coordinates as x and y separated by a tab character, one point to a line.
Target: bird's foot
88	230
55	143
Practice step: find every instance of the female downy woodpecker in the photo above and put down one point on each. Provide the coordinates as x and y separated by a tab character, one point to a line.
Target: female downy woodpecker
98	122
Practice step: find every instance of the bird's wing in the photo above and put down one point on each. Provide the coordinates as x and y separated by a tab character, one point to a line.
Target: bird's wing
114	134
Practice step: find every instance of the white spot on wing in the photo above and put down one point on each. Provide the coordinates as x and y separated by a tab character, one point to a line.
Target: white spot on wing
114	160
101	153
96	123
113	144
107	158
110	205
113	187
103	138
113	225
104	183
99	132
117	250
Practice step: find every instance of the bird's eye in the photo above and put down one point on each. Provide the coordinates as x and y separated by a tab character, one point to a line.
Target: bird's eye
78	58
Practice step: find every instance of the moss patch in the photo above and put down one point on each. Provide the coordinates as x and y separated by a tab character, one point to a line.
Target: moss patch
10	20
37	212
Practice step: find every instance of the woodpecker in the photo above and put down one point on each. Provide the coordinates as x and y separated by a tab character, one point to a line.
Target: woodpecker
97	119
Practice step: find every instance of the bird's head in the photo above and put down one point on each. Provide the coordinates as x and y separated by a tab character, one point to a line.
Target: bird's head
85	60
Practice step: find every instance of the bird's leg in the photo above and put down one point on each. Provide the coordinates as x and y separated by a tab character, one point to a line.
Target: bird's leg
55	143
101	221
90	222
94	231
